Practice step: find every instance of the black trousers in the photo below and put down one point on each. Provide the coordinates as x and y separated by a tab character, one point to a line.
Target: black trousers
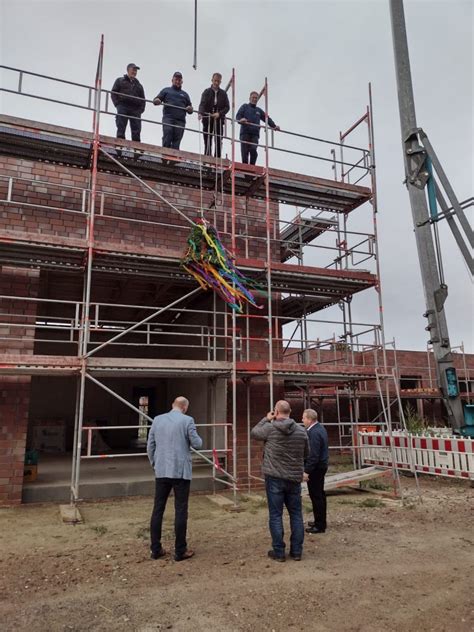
163	487
124	115
172	133
318	495
212	129
248	147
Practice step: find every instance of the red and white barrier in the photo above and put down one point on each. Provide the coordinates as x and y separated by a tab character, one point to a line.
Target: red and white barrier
442	456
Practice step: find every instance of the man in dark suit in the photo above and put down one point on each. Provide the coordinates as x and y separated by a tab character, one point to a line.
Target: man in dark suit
315	468
169	441
212	110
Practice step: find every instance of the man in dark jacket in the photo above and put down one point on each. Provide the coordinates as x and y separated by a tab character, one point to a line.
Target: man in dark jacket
286	447
249	116
128	97
315	468
176	105
212	110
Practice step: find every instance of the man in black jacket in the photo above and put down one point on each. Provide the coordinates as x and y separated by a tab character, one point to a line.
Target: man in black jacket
128	97
212	110
286	447
315	468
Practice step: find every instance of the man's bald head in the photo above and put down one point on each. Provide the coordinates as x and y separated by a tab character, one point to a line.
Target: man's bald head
282	408
181	403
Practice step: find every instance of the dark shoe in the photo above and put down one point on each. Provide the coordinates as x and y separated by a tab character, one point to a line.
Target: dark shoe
185	556
310	523
277	558
296	556
314	530
156	556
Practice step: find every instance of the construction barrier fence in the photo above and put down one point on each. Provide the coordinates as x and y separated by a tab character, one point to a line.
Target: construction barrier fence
442	456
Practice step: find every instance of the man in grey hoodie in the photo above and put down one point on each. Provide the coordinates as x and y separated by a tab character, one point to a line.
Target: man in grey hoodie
286	448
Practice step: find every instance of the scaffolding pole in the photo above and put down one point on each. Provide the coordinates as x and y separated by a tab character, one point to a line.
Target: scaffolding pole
85	324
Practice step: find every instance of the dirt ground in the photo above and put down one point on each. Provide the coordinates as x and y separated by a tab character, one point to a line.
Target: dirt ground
380	567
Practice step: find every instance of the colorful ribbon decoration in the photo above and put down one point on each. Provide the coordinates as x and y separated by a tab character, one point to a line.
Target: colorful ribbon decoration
209	262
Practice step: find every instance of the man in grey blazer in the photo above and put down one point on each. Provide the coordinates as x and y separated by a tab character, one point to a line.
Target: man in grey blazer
169	441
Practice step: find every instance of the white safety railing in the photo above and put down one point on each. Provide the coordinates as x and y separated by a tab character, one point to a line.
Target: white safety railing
442	456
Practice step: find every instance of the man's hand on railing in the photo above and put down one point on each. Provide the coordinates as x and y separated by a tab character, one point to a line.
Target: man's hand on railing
157	101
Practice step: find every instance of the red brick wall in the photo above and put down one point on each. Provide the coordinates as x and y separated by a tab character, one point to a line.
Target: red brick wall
14	403
116	225
15	391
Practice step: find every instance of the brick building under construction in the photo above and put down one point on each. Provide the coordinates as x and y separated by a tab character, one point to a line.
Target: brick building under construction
101	328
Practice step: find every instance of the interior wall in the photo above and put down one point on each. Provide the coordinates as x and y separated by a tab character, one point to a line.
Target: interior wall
52	405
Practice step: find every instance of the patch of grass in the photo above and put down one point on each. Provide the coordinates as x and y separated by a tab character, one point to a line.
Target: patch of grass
374	484
143	533
371	502
343	501
100	529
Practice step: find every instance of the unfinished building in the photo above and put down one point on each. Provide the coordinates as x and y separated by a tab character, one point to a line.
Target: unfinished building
101	328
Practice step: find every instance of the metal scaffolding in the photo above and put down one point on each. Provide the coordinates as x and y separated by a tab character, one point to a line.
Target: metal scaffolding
296	360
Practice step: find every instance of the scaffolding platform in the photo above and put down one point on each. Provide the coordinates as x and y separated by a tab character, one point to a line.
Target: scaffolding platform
51	143
51	252
49	365
307	373
303	230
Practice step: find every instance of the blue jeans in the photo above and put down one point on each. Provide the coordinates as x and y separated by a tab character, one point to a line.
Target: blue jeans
282	493
173	131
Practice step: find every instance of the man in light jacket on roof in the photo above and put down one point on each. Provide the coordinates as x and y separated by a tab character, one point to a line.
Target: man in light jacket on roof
169	441
286	447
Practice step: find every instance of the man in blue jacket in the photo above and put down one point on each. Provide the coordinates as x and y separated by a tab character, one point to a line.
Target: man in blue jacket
176	104
249	116
169	441
315	468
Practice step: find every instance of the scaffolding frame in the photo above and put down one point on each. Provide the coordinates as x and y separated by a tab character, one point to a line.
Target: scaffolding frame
91	200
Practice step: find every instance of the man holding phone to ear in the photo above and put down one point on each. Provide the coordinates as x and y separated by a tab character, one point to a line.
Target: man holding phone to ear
286	448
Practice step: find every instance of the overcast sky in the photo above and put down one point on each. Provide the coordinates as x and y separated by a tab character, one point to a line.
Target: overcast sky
318	57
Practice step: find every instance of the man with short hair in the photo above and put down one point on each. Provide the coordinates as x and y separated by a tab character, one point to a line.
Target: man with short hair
169	441
212	110
176	105
128	97
249	116
315	468
286	447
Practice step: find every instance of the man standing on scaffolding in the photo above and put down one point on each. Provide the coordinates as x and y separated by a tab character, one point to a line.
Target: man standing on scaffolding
249	116
212	110
176	105
128	97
